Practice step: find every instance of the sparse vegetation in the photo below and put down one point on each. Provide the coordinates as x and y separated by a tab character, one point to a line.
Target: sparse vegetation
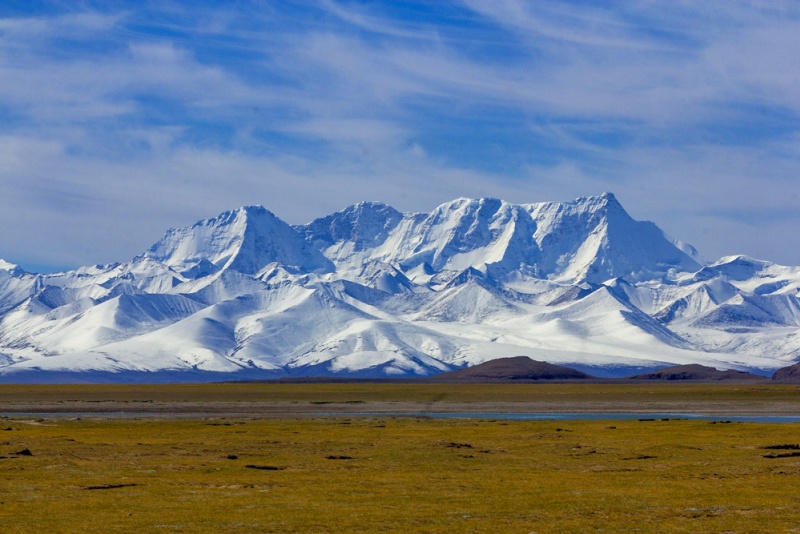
401	474
260	460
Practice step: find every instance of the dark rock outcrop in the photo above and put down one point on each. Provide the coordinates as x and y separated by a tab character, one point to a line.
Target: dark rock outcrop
788	374
697	372
515	368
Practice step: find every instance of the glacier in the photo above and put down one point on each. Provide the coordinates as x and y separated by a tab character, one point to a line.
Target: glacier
373	292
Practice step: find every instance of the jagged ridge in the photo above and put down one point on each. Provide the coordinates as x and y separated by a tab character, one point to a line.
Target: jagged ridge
371	291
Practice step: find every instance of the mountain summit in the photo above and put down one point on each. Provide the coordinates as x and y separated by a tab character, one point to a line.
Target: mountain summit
371	291
245	240
591	239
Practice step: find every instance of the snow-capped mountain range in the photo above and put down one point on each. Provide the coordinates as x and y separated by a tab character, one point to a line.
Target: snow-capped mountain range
371	291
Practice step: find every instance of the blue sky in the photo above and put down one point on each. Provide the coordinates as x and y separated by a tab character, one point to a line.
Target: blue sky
120	120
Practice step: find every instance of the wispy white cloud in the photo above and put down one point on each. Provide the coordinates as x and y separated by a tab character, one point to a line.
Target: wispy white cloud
91	207
162	113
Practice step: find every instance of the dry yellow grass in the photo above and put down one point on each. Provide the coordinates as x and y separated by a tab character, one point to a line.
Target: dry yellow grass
388	474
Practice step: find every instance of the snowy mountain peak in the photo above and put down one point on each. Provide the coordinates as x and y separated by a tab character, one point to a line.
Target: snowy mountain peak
475	233
754	276
486	205
364	225
10	269
606	200
371	291
591	238
246	240
741	260
6	266
594	239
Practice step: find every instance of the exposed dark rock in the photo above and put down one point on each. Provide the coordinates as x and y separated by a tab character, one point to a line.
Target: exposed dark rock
697	372
782	455
265	467
110	486
454	445
788	374
516	368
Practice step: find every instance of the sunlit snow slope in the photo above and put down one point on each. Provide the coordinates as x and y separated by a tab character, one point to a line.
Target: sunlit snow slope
371	291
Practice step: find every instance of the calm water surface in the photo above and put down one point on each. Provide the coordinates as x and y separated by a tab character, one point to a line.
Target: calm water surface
533	416
577	416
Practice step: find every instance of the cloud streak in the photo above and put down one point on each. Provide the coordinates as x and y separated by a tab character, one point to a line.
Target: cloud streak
132	119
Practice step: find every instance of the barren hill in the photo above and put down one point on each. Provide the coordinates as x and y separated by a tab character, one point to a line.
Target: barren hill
788	374
515	368
696	372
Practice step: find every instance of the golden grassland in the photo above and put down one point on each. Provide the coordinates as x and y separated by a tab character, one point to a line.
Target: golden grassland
396	474
388	474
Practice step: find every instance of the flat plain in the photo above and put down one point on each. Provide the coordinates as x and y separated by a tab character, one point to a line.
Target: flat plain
262	458
276	399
